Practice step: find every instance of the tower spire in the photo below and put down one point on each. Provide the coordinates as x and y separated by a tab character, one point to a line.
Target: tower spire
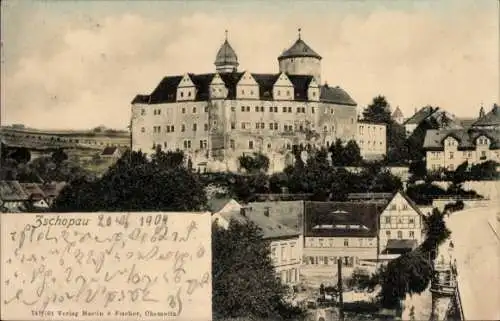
299	30
226	34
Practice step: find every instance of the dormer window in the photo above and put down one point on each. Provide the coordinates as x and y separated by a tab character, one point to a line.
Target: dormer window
189	94
279	92
288	92
182	94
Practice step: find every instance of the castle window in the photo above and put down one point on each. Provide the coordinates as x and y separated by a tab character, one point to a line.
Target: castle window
231	144
275	126
233	108
143	112
289	109
312	110
242	108
242	92
183	110
288	92
284	109
248	108
194	110
279	92
262	109
183	128
205	127
250	144
142	130
189	94
269	146
187	144
242	125
182	94
400	234
251	92
195	127
275	109
206	109
314	94
233	125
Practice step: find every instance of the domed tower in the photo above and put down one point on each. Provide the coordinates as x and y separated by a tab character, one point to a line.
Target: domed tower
300	59
226	60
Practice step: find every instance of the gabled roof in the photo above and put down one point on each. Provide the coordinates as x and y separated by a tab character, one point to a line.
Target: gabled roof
270	228
335	95
434	138
492	118
412	204
52	189
397	113
33	191
421	115
217	204
299	49
342	219
166	91
108	151
12	191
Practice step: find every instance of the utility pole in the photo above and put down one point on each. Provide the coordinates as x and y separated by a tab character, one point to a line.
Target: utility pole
339	286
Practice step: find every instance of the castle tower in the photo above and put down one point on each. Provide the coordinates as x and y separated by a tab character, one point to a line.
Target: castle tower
300	59
226	59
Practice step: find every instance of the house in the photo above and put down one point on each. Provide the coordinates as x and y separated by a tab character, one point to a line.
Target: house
12	197
36	196
52	191
345	230
285	245
401	225
371	140
111	152
447	149
434	117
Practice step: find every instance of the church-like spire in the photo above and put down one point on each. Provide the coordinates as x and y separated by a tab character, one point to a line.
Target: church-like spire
226	59
299	30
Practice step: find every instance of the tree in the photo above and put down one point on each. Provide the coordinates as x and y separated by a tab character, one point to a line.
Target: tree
59	156
134	183
351	154
458	177
21	155
378	111
336	149
255	163
244	279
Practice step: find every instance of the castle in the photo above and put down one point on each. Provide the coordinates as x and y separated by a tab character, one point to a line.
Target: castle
215	118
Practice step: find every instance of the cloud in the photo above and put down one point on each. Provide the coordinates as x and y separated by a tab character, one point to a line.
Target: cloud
83	70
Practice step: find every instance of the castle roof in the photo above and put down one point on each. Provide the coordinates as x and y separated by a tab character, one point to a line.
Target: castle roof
434	138
226	55
166	90
490	119
299	49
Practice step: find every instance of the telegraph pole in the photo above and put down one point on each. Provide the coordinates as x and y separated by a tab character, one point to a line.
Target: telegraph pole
339	286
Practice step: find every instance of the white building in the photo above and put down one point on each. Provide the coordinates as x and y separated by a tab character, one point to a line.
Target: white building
215	118
285	243
401	226
372	140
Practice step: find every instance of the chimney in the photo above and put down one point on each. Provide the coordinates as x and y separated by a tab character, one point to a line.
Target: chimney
481	112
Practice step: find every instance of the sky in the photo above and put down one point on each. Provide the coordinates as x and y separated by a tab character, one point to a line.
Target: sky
79	64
